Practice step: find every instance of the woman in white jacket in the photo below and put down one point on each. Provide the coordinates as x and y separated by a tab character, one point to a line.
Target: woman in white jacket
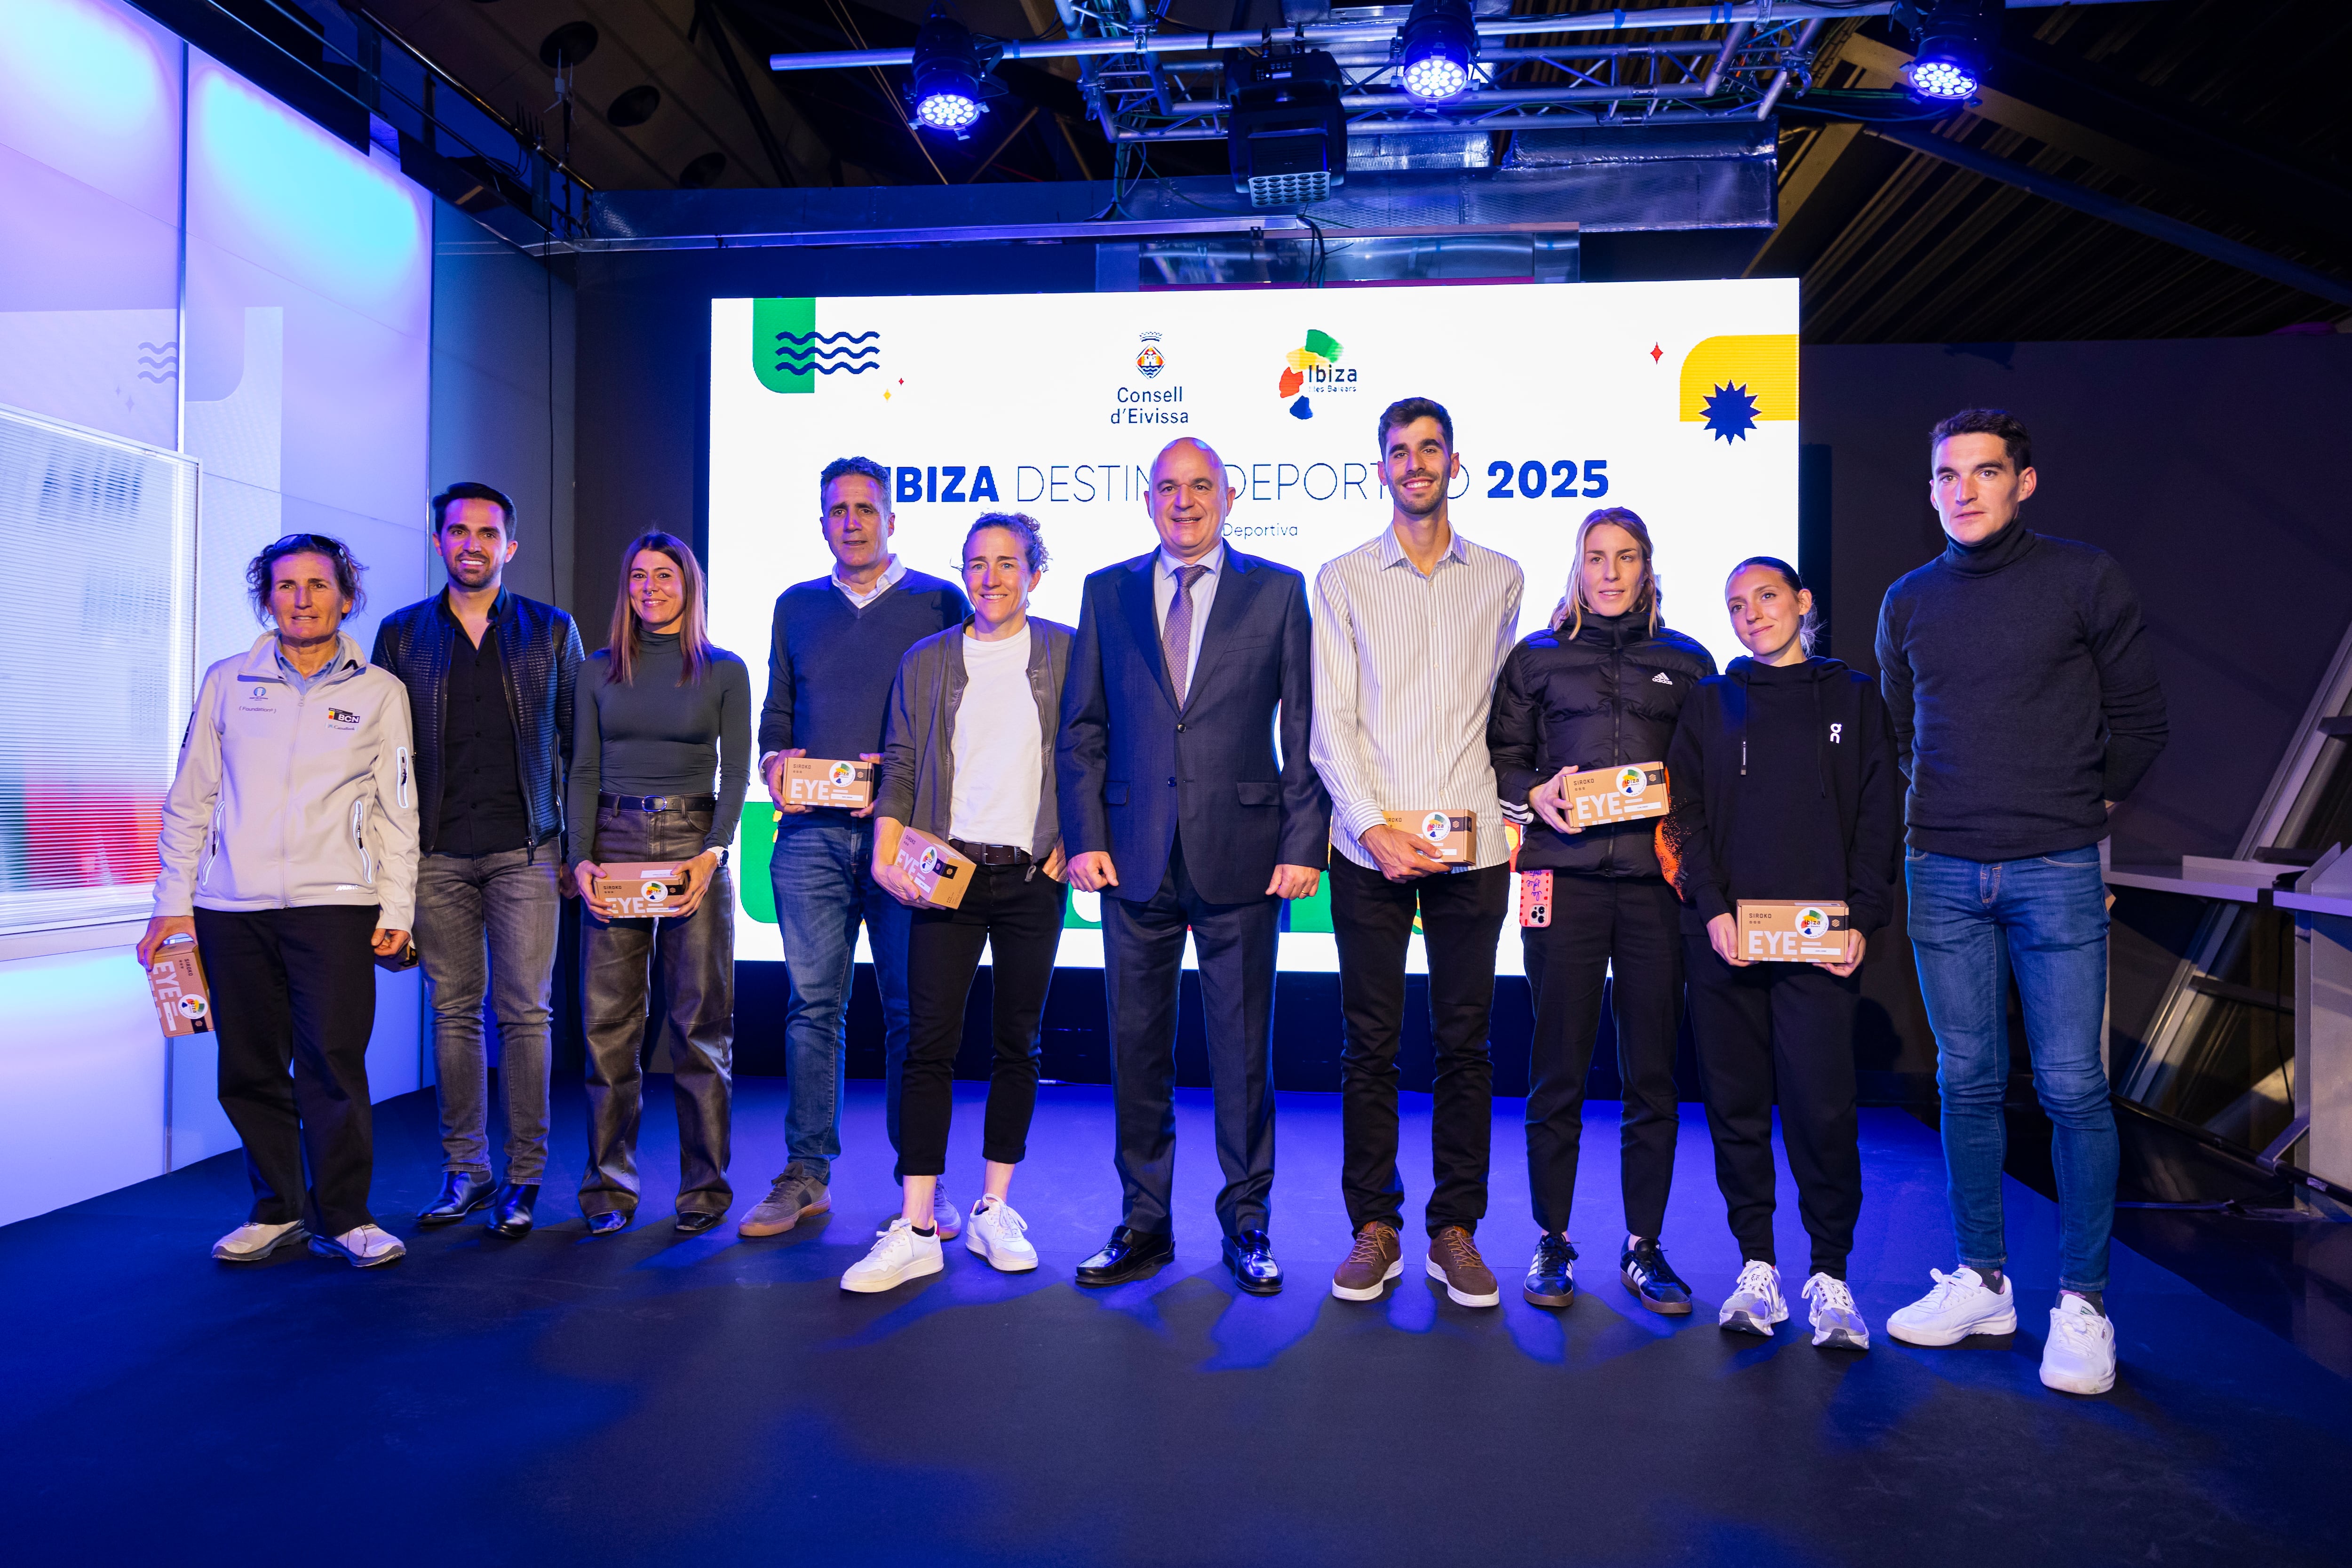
288	853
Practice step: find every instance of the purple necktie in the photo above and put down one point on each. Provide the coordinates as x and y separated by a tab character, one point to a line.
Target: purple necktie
1176	636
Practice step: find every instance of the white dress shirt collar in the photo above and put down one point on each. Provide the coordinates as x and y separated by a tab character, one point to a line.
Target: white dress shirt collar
882	584
1213	562
1392	548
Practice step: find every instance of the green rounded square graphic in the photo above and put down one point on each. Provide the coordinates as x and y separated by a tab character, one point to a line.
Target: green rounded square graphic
782	334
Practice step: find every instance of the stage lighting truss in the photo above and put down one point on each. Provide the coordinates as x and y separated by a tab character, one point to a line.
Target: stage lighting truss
948	84
1447	65
1955	41
1285	133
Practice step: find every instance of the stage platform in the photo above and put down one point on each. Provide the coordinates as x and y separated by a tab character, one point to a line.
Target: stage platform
653	1399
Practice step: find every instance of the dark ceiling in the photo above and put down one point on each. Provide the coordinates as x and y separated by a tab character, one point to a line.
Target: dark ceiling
2227	116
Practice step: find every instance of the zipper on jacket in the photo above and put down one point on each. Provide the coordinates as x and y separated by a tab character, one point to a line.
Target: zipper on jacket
359	842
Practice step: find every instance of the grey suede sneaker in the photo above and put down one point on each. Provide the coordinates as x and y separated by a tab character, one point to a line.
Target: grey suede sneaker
797	1194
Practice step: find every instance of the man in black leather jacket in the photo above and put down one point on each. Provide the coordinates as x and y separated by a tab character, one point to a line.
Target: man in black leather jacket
489	676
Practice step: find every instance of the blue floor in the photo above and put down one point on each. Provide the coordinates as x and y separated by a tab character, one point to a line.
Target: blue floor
656	1399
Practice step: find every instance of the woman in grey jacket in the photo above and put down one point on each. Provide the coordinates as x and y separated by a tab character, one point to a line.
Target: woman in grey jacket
968	757
288	853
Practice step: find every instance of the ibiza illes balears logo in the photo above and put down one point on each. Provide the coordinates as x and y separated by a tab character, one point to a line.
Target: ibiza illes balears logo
1149	359
1311	369
788	353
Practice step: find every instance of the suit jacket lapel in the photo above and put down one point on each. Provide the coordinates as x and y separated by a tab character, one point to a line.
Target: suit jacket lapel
1143	621
1225	612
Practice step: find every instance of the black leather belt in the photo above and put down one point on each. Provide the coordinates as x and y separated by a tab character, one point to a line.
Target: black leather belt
656	802
992	854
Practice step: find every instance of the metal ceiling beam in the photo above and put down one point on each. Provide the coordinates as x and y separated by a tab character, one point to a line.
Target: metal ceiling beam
2123	214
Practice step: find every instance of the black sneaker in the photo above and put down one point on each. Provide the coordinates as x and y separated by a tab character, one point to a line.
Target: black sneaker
1651	1280
1551	1276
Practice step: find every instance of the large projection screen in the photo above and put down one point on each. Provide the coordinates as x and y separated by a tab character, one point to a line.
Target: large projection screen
1678	400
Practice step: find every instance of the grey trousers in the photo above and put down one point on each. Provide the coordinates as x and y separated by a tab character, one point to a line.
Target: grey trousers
697	955
486	926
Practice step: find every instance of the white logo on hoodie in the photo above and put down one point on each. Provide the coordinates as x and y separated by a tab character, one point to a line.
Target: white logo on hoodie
1834	731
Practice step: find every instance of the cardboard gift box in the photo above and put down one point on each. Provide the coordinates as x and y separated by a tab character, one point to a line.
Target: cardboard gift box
827	781
937	870
183	1002
642	890
1793	931
1598	797
1452	836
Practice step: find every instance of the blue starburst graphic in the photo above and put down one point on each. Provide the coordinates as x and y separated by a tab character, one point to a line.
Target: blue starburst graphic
1730	413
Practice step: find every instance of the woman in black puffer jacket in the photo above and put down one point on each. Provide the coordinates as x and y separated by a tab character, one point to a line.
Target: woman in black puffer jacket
1600	687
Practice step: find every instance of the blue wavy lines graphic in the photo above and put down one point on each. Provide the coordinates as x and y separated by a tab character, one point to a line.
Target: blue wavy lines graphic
829	369
828	353
162	361
806	337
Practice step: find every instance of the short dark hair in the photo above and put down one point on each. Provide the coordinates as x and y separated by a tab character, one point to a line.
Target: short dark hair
1808	628
466	490
262	569
842	467
1998	422
1405	410
1023	527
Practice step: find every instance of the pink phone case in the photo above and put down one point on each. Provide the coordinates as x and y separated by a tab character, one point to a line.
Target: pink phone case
1535	898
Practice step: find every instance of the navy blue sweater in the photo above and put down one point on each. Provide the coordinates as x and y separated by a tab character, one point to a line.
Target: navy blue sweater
2023	692
830	664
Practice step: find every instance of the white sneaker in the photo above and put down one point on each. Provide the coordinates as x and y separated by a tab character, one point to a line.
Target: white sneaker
363	1247
1755	1303
250	1243
898	1256
1958	1307
996	1234
1837	1321
2080	1357
946	1218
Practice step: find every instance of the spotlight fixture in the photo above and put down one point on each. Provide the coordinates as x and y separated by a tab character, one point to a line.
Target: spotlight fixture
1434	50
1955	40
1286	132
951	82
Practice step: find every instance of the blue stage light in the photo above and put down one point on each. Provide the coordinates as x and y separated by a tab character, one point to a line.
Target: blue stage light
1944	80
1955	39
1434	50
950	77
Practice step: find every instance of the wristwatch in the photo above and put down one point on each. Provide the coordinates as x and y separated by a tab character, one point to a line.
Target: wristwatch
723	853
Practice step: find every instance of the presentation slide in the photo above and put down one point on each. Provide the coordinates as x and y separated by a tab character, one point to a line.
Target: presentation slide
1678	400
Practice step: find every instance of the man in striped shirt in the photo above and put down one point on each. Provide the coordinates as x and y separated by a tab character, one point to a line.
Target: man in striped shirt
1410	630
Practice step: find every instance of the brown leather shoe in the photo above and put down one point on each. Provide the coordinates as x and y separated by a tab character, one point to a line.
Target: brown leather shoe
1453	1258
1376	1260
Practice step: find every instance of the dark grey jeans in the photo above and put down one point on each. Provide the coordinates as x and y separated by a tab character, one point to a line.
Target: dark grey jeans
486	925
698	967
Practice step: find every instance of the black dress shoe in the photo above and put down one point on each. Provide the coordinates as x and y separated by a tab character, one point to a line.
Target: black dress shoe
694	1222
461	1194
612	1222
1251	1257
512	1218
1130	1254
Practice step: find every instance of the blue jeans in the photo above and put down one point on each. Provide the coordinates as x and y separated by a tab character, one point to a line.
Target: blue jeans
486	924
822	873
1972	924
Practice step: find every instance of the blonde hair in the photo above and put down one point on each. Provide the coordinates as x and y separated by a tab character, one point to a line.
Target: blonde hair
693	640
1652	596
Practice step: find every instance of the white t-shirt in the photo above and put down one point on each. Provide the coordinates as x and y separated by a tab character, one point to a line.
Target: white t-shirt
999	755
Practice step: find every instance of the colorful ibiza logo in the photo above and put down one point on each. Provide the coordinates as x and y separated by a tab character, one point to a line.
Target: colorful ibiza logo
788	353
1630	780
1149	359
1313	368
653	891
1435	826
1811	922
1732	383
841	774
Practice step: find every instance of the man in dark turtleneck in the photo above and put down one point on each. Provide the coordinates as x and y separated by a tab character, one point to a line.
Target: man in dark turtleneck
2024	697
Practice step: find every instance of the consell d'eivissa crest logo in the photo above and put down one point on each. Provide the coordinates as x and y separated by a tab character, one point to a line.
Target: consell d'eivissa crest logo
788	352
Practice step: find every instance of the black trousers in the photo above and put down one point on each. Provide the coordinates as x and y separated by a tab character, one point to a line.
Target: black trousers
1143	959
698	962
1784	1030
1460	920
297	988
1016	911
1625	933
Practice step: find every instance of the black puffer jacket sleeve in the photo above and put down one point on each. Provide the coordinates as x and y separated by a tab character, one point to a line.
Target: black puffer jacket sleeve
1877	833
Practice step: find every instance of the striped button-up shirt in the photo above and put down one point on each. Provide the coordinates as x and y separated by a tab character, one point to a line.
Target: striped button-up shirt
1404	673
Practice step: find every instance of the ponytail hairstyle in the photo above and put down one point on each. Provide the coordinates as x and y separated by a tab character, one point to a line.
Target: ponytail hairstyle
1650	597
694	640
1811	627
1022	527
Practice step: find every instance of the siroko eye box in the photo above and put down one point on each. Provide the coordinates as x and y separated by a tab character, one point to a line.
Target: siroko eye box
826	781
1452	836
644	889
1790	931
183	1002
936	869
1598	797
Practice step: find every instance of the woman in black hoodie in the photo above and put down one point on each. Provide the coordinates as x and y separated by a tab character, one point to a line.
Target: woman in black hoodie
1784	788
1600	687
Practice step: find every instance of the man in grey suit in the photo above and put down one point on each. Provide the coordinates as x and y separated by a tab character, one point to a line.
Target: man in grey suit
1176	807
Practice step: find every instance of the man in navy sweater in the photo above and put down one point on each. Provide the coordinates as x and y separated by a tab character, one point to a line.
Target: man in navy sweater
833	653
2025	703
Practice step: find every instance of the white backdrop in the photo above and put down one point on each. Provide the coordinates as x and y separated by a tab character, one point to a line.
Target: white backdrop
1678	400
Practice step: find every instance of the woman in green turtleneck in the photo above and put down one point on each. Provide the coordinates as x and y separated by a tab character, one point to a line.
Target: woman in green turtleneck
660	714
